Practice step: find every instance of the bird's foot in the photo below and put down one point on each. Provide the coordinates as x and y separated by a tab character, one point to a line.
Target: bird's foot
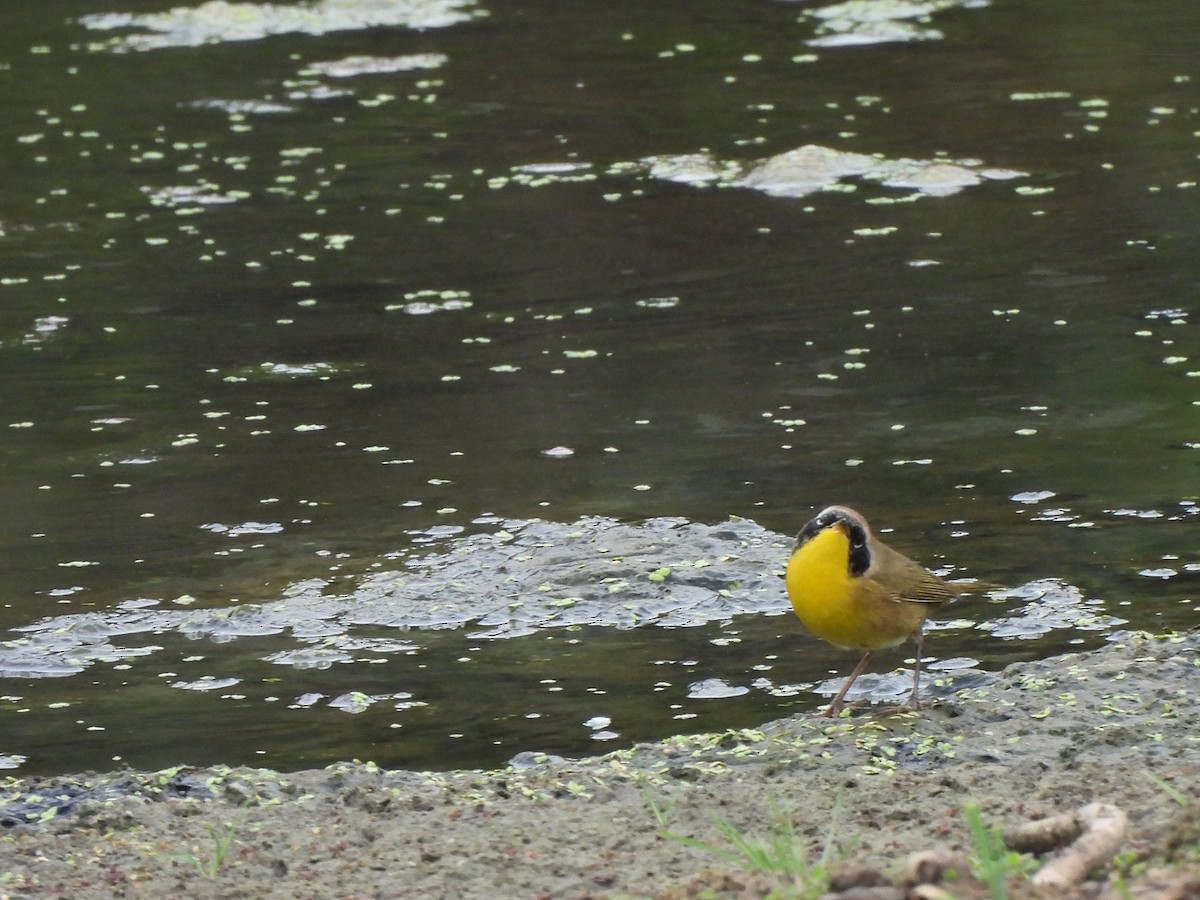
908	707
832	711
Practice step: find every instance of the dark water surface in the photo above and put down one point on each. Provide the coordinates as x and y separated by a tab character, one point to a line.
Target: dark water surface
271	311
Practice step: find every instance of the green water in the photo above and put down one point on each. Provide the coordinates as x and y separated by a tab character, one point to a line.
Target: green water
216	383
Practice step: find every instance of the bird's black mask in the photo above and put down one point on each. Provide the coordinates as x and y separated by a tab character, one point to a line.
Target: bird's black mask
860	550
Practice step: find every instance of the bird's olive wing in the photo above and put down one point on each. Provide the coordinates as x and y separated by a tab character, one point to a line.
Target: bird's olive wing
929	589
906	580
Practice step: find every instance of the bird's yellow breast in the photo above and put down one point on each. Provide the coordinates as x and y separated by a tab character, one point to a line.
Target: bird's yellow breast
853	612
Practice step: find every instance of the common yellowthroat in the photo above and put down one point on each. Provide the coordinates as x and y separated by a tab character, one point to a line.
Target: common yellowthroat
852	590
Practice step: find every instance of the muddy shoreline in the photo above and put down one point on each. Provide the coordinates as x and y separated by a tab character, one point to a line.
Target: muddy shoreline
1114	725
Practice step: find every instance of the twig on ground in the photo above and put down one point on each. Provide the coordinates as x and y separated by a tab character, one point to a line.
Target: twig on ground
1044	835
1104	827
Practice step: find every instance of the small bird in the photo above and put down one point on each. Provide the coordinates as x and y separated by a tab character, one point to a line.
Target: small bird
852	590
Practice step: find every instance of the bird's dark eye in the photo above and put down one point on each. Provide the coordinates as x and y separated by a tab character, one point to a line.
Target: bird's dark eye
812	528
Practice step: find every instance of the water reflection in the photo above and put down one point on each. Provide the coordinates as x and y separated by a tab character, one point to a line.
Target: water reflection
289	300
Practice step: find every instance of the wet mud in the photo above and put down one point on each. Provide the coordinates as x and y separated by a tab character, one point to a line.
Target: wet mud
866	791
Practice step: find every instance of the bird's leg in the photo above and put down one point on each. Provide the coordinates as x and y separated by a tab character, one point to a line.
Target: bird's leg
914	701
919	638
836	706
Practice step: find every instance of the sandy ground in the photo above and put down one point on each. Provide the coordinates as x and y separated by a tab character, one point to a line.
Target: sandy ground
1115	725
